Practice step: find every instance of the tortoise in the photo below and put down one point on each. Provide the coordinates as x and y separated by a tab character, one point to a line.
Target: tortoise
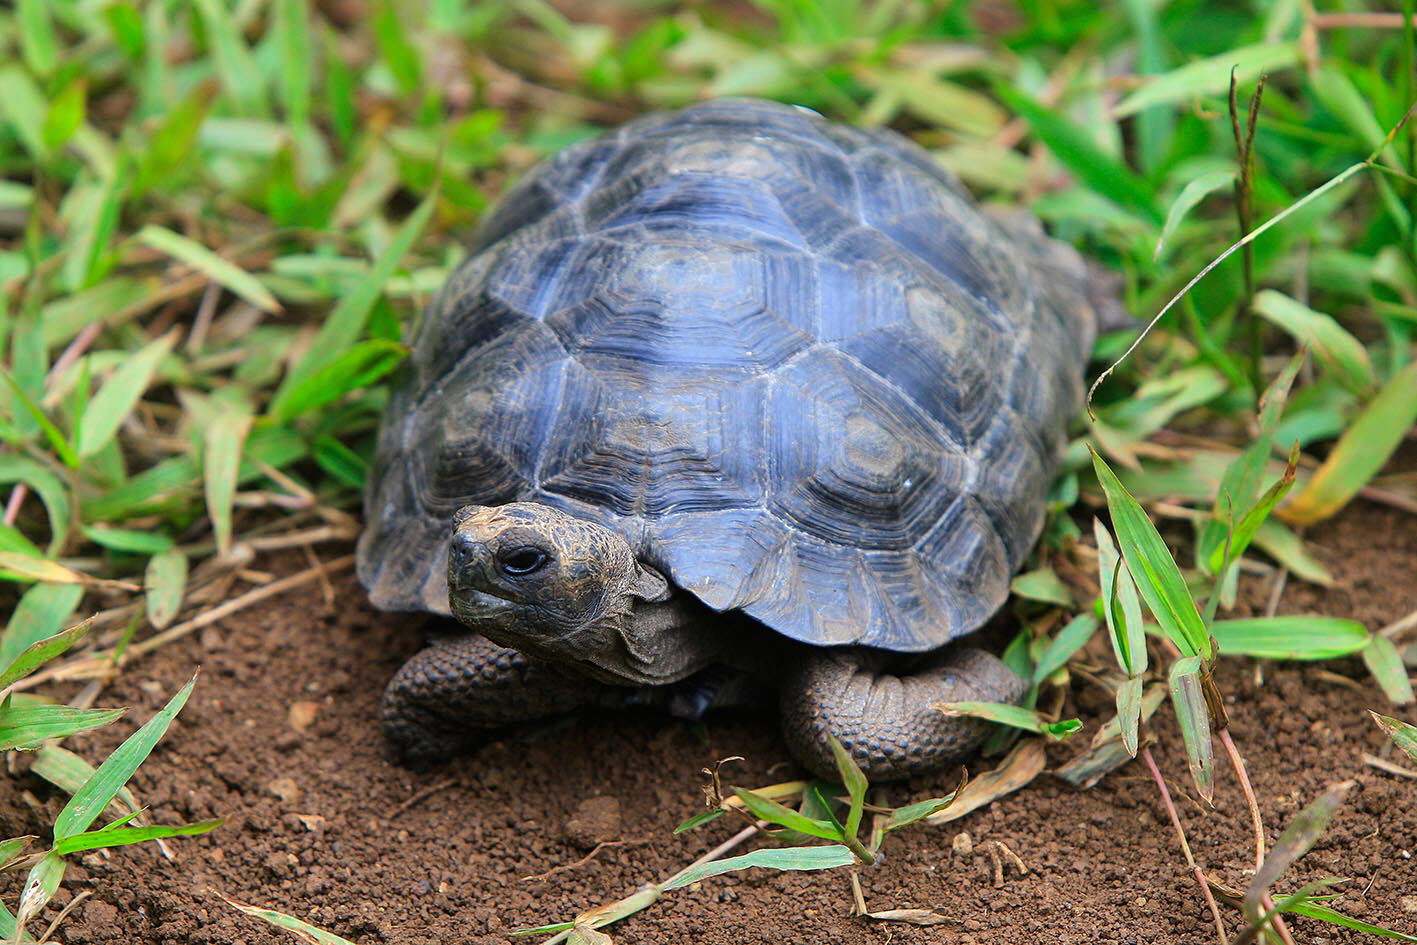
729	400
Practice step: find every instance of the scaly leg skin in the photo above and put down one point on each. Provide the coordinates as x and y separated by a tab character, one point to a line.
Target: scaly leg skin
887	722
450	694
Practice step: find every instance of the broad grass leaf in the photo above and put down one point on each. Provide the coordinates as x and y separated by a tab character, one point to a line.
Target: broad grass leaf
1290	637
57	441
120	394
37	42
203	260
1129	696
1245	529
1385	663
27	726
241	78
775	813
302	930
171	145
1336	91
25	568
22	103
41	613
1043	585
37	654
125	836
221	461
785	859
1159	580
1076	149
342	328
358	367
1360	453
1193	719
1403	734
90	800
1283	545
1014	716
65	115
1120	604
165	581
106	302
1188	199
1331	342
127	540
1069	640
1210	76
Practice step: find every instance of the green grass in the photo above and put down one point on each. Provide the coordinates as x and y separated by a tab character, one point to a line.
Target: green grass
219	219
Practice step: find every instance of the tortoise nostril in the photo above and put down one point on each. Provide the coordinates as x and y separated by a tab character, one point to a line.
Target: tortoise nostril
461	552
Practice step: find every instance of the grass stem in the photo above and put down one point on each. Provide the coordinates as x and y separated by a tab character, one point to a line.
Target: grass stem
1185	845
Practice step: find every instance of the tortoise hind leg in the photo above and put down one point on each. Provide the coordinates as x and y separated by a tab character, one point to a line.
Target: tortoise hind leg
886	721
450	694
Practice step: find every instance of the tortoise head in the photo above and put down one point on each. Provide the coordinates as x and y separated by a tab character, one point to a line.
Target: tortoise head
557	587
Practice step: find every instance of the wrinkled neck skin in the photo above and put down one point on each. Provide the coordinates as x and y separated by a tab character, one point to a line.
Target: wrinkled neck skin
636	642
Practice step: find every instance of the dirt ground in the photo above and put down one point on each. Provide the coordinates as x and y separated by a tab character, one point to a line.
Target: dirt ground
320	825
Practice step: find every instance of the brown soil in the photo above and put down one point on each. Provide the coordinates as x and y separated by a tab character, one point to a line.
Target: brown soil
321	826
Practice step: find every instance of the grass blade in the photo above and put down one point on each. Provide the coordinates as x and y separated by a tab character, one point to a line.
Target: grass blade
1187	200
26	726
1331	343
40	885
1385	663
1076	150
90	800
125	836
1360	453
41	613
788	859
119	395
340	331
855	781
203	260
221	461
1313	910
1129	699
1301	834
1290	638
301	930
358	367
1193	719
1209	76
1121	605
42	652
165	580
1014	716
1070	639
1158	578
775	813
1403	735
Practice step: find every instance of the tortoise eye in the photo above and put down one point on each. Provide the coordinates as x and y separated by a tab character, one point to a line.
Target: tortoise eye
522	561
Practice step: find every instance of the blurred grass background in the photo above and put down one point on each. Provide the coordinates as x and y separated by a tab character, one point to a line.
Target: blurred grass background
219	219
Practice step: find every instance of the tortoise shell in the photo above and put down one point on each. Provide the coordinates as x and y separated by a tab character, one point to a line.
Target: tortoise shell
789	360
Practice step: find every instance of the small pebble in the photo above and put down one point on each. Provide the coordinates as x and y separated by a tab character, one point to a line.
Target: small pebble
284	788
963	844
302	715
1408	903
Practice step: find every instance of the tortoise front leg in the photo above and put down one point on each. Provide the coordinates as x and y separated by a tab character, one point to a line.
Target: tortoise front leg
888	722
451	693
